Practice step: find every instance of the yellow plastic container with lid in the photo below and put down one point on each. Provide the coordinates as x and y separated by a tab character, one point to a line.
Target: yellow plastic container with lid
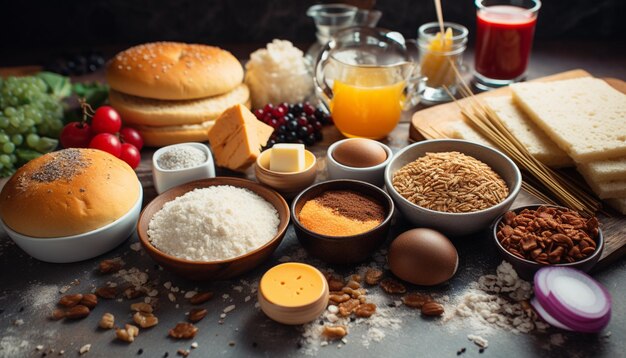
293	293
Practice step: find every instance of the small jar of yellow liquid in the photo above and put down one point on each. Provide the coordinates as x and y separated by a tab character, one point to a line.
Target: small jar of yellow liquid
365	76
440	54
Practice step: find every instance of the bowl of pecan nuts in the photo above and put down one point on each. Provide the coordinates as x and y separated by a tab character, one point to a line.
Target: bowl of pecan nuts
533	236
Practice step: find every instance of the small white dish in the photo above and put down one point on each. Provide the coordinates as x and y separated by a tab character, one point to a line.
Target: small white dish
165	179
374	175
83	246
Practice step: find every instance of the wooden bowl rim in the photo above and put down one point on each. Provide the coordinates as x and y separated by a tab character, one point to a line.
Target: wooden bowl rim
204	183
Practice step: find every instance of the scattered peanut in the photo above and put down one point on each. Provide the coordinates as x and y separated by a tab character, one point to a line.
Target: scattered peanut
334	332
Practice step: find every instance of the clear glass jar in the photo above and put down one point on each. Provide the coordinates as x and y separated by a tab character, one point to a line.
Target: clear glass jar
438	57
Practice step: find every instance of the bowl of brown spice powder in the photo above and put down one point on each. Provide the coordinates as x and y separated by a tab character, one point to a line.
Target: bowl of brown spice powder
453	186
342	221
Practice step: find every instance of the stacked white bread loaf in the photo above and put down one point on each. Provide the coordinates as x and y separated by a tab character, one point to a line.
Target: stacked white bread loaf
173	92
578	122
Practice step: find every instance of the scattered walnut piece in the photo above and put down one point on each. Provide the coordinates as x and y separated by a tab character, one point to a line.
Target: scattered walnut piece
353	285
90	300
145	319
70	300
365	310
197	314
373	276
110	265
106	292
141	307
200	298
334	332
432	309
132	293
183	330
346	308
57	314
77	312
107	321
415	300
392	286
183	352
335	283
127	334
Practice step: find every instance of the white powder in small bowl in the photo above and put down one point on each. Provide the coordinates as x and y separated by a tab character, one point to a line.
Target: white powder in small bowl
215	223
181	157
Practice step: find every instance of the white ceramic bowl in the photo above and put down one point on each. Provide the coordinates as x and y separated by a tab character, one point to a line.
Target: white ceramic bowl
165	179
83	246
454	224
374	175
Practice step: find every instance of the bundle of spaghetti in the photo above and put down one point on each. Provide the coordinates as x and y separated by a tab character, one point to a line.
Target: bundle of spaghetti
561	189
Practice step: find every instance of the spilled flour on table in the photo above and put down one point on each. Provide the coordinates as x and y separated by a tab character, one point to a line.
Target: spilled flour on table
495	302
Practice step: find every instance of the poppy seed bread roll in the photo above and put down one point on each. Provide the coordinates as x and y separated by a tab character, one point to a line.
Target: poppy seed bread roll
68	192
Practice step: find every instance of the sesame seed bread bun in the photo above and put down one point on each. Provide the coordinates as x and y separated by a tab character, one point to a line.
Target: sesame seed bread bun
68	192
173	71
160	136
142	111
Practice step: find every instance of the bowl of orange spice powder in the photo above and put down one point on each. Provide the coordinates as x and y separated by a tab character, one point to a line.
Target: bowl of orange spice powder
342	221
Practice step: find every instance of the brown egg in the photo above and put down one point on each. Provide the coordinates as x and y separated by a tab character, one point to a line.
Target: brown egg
423	257
359	153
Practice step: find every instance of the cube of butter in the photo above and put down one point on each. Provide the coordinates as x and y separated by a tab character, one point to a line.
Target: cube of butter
286	157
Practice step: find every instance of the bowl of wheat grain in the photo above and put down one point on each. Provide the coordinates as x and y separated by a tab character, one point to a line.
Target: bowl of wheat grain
453	186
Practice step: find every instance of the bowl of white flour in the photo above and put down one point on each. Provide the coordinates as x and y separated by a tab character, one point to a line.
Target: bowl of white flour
213	229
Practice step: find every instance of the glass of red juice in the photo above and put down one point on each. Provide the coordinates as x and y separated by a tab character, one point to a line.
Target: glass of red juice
504	36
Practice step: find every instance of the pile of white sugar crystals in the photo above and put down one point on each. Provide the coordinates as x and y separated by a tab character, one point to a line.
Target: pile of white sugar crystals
213	223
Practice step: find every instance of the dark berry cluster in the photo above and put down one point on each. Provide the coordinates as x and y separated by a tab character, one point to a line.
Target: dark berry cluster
77	64
294	123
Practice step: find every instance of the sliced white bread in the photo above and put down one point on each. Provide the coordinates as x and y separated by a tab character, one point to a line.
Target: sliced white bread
585	117
539	145
607	189
618	204
604	170
462	130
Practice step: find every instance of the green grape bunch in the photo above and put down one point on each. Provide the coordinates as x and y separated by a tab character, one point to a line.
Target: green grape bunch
31	118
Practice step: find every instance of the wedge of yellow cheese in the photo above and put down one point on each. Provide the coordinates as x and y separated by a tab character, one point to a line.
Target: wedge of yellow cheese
237	137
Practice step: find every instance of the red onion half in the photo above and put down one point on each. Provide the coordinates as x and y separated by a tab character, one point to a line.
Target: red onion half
570	299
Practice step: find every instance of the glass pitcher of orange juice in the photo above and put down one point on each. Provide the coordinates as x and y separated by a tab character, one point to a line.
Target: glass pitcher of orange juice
366	77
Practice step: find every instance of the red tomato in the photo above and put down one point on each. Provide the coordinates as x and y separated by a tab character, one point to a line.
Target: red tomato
130	154
75	135
108	143
131	136
106	120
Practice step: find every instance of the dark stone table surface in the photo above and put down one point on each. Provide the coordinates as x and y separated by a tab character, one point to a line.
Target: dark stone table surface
29	288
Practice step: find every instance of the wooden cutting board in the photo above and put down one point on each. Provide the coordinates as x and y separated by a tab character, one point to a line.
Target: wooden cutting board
427	123
440	117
